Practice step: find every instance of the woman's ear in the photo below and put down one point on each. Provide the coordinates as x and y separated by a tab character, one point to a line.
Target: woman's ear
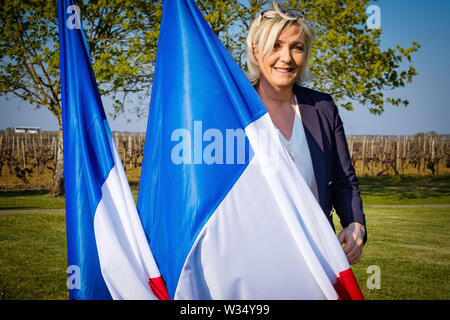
255	54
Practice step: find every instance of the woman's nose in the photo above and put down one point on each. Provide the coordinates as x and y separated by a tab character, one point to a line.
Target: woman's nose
285	54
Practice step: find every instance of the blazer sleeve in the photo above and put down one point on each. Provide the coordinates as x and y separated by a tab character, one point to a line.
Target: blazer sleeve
345	194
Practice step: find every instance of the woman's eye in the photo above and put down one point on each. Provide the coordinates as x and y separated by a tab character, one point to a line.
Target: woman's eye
299	48
276	45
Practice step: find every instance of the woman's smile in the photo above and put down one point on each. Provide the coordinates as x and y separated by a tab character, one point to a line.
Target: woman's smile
284	70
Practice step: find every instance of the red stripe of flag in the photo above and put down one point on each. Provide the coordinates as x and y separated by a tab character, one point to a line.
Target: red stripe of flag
159	288
347	287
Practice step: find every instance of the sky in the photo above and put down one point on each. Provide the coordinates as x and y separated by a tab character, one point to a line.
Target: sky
402	21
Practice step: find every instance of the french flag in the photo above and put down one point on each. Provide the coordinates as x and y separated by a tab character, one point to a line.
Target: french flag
225	210
108	251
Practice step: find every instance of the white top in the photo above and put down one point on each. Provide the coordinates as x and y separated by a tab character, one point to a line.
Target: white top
298	149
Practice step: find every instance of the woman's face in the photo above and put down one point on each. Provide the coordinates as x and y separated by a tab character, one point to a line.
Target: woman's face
282	66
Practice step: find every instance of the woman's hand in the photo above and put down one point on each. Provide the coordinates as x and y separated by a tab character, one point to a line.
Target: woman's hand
352	236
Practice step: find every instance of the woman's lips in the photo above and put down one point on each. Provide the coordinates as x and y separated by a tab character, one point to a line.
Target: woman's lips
284	70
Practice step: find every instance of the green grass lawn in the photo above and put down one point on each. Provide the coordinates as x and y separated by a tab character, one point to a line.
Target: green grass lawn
411	245
33	257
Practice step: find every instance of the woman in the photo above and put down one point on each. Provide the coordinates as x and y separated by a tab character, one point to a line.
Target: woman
278	47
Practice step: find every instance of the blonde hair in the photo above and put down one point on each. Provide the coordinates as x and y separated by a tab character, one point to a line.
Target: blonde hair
264	31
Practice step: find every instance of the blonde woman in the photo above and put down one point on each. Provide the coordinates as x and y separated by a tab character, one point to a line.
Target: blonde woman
278	46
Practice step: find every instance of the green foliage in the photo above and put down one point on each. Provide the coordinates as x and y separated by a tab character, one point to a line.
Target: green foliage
230	20
121	36
28	50
426	134
346	59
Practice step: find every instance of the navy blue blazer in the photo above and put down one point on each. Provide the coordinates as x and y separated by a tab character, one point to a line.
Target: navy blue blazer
337	185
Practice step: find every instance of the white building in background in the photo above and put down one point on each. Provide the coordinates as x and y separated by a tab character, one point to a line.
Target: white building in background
19	129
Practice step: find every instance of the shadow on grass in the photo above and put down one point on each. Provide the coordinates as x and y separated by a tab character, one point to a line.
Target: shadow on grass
374	190
29	199
406	188
17	208
23	193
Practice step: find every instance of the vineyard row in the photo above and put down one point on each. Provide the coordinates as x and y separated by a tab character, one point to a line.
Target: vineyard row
30	159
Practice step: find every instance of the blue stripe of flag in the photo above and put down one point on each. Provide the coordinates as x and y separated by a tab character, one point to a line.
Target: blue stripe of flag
87	156
195	79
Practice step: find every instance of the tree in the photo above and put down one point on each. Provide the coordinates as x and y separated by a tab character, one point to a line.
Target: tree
121	36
